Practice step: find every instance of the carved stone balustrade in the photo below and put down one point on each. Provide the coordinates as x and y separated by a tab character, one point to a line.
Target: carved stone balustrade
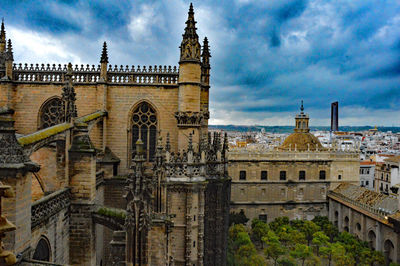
49	205
90	74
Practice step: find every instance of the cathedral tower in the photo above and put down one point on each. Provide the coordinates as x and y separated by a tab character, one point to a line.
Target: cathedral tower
189	116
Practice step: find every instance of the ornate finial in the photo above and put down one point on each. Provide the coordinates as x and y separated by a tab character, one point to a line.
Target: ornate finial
190	145
2	32
9	51
139	147
206	53
190	46
225	146
104	54
159	141
302	107
167	144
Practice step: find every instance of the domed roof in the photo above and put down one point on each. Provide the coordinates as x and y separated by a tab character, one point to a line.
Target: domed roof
301	142
301	139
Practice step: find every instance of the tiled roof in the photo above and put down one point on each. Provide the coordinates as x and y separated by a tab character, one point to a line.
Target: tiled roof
373	199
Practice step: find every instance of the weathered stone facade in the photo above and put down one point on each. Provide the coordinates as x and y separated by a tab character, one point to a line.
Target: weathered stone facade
371	216
291	180
97	197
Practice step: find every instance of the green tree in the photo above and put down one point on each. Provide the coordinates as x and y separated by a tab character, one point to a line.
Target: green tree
309	228
273	247
371	257
319	240
278	222
326	226
237	218
290	237
286	262
339	255
326	252
259	229
301	252
353	246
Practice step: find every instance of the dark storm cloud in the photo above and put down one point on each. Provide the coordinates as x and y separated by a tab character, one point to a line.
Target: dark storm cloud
266	55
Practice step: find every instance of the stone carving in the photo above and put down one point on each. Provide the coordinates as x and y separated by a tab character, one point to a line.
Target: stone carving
189	119
190	46
69	97
49	205
139	188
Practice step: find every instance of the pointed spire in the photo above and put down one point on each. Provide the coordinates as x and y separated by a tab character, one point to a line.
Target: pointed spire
206	53
190	46
104	54
190	30
2	32
10	55
226	146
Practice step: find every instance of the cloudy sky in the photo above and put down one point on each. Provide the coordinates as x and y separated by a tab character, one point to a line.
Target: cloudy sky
266	55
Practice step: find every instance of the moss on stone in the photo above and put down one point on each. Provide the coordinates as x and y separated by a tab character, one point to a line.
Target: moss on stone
112	212
43	134
91	116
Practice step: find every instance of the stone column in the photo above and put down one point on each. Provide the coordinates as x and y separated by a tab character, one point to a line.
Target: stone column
82	170
378	243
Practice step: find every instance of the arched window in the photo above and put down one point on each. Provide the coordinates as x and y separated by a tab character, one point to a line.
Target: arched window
144	126
42	251
51	113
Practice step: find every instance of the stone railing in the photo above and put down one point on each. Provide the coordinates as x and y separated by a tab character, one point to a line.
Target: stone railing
151	75
49	205
377	211
55	73
42	73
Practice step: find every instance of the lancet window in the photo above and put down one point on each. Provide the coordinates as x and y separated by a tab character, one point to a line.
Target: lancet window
144	127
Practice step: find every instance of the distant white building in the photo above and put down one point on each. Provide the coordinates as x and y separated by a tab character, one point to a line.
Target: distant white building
367	174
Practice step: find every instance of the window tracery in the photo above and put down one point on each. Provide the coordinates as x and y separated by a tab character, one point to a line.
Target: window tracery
51	113
144	126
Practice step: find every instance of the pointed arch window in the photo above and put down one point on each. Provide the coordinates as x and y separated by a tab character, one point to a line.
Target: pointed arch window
51	113
42	251
144	126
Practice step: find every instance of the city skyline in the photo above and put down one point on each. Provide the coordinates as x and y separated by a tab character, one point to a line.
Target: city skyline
266	57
